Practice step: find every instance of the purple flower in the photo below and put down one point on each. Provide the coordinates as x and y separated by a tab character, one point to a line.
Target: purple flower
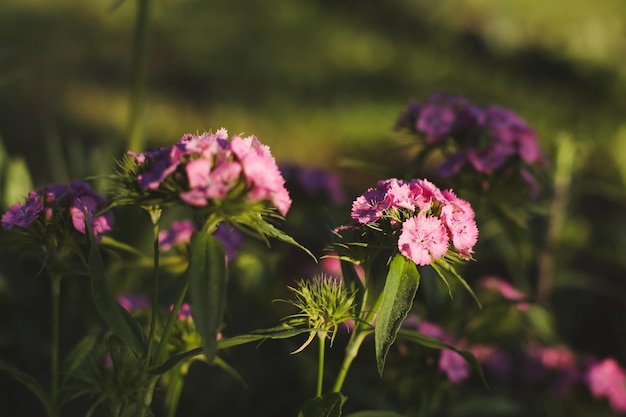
315	182
231	238
184	313
435	122
179	232
494	358
608	379
133	302
369	207
485	139
23	214
423	239
159	163
85	199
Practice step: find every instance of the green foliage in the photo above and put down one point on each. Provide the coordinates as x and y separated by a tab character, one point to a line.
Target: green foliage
208	279
397	299
328	405
113	314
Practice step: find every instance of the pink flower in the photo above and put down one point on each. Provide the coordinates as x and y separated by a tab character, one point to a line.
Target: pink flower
608	379
505	289
423	239
454	366
23	214
261	172
459	219
369	207
179	232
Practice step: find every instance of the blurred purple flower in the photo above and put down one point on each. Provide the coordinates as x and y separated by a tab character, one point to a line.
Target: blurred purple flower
179	232
133	302
315	182
494	358
484	138
23	214
231	238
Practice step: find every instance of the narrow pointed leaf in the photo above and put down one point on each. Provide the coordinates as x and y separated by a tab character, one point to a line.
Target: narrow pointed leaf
376	413
208	279
397	299
429	342
116	318
328	405
266	229
281	332
31	383
443	267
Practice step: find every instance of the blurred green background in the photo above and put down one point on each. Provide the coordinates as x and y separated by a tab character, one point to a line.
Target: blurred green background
322	82
315	80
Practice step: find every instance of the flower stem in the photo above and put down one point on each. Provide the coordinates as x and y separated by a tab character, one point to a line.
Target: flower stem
361	330
155	214
320	370
174	390
54	362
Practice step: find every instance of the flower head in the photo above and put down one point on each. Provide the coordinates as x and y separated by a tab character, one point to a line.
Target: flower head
423	221
484	140
23	214
206	170
324	303
58	205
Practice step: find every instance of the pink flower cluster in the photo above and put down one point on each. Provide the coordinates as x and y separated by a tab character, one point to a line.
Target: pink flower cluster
210	166
429	218
486	139
59	200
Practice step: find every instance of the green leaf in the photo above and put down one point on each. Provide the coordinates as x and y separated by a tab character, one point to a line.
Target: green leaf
429	342
376	413
208	279
78	354
266	229
31	383
114	315
328	405
351	279
280	332
397	299
445	271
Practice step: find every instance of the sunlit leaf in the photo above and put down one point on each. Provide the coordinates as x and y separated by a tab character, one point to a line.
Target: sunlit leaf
398	294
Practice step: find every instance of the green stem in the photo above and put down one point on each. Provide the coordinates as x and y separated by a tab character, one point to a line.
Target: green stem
565	160
54	383
320	366
174	390
155	214
361	330
169	326
138	76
